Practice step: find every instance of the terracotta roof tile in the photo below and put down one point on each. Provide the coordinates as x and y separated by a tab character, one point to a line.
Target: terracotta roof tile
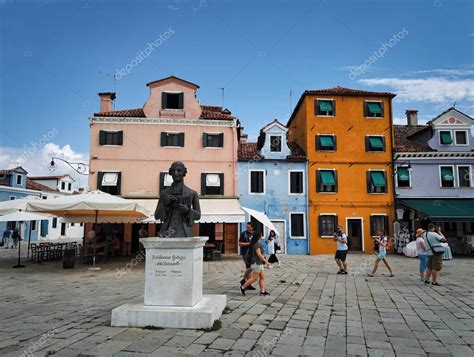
249	151
32	185
134	113
297	152
404	139
348	91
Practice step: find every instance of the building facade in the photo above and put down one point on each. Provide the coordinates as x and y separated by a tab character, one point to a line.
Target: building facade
272	179
347	136
434	164
132	150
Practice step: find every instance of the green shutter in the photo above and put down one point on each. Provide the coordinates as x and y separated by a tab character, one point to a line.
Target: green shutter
402	173
204	140
326	141
447	174
120	137
378	178
181	139
376	142
446	138
164	100
181	101
374	107
221	140
102	137
163	141
327	178
325	105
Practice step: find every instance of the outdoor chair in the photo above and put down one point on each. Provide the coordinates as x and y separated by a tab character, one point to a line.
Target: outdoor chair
218	250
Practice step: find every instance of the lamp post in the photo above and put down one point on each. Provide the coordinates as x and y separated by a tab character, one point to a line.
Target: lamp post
80	167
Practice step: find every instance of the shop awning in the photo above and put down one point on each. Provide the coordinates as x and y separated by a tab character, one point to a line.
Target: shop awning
450	209
213	210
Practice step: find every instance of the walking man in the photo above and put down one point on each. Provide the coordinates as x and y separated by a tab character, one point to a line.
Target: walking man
7	234
433	239
244	244
341	253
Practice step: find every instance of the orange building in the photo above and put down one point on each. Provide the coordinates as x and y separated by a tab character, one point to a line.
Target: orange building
348	137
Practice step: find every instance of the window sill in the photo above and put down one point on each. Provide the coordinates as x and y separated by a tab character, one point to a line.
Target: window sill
320	150
378	193
404	188
213	147
172	147
114	146
327	193
375	152
374	117
298	238
296	194
325	116
257	193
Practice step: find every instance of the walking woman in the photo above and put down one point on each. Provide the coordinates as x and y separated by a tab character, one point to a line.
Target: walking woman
421	250
383	246
258	261
271	249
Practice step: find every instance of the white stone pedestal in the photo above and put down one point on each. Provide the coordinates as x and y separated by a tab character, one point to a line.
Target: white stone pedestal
173	288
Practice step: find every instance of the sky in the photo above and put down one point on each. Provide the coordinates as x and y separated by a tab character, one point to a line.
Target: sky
55	56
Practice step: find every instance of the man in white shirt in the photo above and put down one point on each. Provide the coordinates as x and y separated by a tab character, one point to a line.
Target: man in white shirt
341	252
433	238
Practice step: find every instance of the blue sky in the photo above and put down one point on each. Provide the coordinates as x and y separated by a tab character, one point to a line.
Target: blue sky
56	55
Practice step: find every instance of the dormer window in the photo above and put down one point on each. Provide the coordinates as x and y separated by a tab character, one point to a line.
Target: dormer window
63	185
19	179
69	186
445	138
275	143
461	137
172	100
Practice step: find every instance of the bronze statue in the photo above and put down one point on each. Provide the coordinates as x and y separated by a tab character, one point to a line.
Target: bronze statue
178	206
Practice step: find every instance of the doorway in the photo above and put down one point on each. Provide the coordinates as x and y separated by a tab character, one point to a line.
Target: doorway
354	230
281	228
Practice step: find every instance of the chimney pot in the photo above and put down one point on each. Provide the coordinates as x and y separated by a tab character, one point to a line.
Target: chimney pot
412	117
106	101
243	138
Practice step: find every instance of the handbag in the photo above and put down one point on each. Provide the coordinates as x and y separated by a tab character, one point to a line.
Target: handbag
437	249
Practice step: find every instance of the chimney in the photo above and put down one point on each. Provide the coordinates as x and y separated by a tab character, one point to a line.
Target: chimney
243	138
412	117
106	101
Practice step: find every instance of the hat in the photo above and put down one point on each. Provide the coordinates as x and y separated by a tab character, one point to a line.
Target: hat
339	227
420	231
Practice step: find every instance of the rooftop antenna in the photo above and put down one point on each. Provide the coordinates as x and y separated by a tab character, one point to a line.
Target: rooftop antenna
110	75
454	105
222	91
291	104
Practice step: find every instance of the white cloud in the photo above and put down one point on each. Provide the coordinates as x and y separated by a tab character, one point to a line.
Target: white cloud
435	90
35	159
448	72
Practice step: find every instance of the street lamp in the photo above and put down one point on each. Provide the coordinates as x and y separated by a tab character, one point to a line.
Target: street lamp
80	167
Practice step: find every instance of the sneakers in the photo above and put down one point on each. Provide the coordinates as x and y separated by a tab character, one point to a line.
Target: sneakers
264	293
435	284
242	291
250	288
370	274
344	272
340	272
427	281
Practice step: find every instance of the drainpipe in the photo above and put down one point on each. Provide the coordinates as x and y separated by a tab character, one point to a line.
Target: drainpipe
307	208
392	138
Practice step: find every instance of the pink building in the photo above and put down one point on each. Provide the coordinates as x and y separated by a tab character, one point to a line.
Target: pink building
131	151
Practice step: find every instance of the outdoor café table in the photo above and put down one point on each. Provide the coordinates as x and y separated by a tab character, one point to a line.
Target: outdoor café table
209	251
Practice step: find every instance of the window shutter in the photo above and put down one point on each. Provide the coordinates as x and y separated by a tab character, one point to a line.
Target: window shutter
119	182
164	100
367	144
372	225
102	138
316	142
120	137
334	108
316	107
204	140
181	139
203	184
366	110
368	182
44	227
221	188
336	222
381	106
181	101
164	139
335	179
335	143
221	140
100	175
260	179
383	140
293	182
162	182
386	183
318	181
320	226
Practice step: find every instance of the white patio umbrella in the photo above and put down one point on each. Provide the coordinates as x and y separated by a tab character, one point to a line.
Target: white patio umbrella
21	216
16	205
261	217
92	207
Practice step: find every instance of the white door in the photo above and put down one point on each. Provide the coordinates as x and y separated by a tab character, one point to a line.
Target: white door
281	228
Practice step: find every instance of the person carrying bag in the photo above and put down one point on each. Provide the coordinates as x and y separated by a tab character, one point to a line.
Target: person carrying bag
435	251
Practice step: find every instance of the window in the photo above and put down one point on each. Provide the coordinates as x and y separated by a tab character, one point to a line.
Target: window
275	143
81	224
44	228
172	100
378	222
403	177
63	229
445	138
296	182
33	225
373	109
63	185
464	176
165	180
297	225
326	181
461	137
374	143
109	182
376	182
110	137
257	182
212	140
55	223
327	225
12	198
324	107
212	184
325	142
19	179
69	186
172	139
447	176
2	176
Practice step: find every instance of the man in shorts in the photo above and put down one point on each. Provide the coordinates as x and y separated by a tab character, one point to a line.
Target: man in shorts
244	243
341	252
433	238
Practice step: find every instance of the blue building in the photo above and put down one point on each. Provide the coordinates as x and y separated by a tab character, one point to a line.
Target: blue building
272	179
433	182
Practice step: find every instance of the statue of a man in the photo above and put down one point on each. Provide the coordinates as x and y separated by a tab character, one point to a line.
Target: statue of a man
178	206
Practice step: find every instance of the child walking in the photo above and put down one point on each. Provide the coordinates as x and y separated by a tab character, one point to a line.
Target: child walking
383	245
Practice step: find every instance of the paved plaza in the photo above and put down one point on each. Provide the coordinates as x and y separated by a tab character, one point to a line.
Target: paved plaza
46	310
